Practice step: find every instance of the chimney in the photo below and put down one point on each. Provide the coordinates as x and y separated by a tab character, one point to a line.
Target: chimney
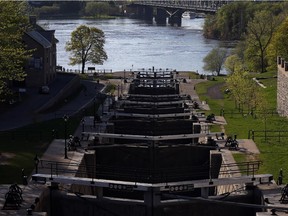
32	21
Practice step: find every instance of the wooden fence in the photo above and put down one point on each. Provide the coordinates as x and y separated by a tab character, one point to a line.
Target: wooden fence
276	135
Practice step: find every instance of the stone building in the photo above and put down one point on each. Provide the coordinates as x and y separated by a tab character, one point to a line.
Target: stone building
282	87
41	66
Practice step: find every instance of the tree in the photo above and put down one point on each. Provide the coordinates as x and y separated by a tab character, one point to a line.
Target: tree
245	91
233	63
97	8
214	61
259	34
86	45
279	44
13	23
230	21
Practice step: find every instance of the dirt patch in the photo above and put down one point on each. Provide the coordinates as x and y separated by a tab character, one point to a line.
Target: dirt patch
215	92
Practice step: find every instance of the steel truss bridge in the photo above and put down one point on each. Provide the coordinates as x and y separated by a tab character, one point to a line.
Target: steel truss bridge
196	5
174	9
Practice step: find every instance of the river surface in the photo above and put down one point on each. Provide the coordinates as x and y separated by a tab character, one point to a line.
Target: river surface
134	44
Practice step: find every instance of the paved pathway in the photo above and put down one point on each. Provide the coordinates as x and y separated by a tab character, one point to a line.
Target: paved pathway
24	113
189	88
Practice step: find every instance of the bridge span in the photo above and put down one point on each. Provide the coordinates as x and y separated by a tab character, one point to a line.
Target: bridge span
173	10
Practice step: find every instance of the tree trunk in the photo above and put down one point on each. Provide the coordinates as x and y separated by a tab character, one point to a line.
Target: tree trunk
83	66
262	61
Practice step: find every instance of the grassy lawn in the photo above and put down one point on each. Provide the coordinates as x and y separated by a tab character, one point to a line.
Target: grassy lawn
273	151
19	147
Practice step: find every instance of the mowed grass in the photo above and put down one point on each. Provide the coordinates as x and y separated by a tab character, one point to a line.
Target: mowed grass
19	147
274	150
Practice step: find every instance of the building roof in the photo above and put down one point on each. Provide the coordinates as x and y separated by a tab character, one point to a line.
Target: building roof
39	38
49	35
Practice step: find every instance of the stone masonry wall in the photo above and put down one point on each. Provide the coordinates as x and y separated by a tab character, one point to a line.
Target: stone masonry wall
282	87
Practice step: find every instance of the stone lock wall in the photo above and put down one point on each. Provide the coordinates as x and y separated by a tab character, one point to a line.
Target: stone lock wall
282	87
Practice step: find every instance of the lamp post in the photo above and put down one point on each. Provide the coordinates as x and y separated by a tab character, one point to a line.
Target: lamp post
94	111
102	98
36	162
83	124
65	117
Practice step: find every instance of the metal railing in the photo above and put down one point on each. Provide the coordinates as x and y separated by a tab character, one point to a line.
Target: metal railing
54	168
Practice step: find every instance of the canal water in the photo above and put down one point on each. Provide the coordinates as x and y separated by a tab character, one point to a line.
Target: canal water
134	44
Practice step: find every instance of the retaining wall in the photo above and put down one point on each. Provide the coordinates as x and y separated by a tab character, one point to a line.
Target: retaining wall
282	87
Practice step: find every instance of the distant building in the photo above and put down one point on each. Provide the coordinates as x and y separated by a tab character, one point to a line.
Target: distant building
41	66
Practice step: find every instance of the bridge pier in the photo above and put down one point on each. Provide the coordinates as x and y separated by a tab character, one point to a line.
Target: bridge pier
145	13
176	18
161	16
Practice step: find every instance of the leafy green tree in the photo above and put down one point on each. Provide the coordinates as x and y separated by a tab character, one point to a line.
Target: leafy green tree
97	8
259	34
13	23
87	46
214	60
210	29
244	90
233	63
279	44
230	21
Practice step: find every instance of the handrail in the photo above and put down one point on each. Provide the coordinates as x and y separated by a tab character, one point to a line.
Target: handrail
145	174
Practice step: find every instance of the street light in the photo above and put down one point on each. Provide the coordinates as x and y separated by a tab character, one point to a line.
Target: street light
102	99
83	124
94	111
65	118
36	162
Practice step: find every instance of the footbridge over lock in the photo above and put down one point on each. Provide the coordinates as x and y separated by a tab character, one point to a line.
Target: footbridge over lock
173	10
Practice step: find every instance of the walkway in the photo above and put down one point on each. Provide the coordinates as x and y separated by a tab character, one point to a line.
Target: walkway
24	113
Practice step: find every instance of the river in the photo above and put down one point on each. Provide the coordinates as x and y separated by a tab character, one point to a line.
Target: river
134	44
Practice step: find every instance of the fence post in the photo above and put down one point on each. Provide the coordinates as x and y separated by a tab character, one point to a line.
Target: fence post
222	112
248	167
57	168
51	170
253	135
253	174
